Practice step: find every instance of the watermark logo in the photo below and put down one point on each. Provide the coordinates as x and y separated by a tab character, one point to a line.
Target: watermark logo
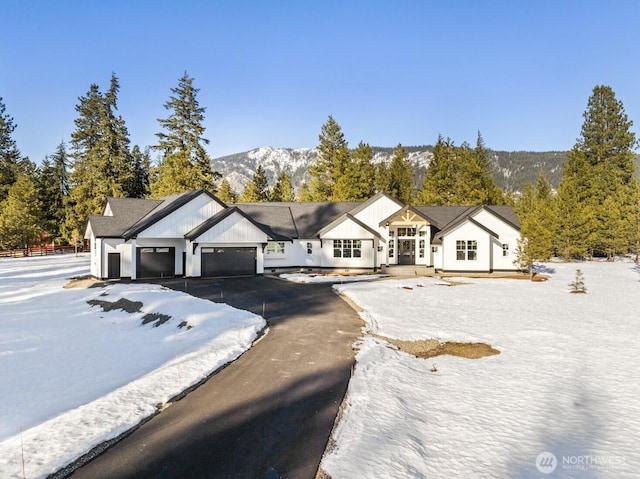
546	462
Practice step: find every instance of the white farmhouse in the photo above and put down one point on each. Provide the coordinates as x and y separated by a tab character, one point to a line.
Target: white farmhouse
194	234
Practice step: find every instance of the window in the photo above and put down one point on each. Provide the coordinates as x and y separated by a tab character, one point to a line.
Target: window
309	248
466	250
505	249
406	231
275	248
434	249
347	248
392	245
421	248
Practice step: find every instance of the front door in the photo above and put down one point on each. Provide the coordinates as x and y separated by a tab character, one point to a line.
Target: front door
407	251
113	265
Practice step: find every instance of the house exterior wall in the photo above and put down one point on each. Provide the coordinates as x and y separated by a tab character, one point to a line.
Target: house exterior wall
467	232
372	215
366	261
507	235
184	219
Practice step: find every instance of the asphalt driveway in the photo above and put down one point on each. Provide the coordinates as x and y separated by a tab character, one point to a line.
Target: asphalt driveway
270	410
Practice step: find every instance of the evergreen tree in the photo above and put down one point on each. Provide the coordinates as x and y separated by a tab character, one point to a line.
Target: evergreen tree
53	190
19	215
225	193
332	162
304	194
139	187
184	164
257	190
459	175
598	190
101	163
401	175
283	189
358	181
9	153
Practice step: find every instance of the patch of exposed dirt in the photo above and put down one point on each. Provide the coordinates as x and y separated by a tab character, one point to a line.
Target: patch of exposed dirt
158	319
84	282
123	304
430	348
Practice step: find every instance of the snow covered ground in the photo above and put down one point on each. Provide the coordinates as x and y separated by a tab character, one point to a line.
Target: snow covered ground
328	277
562	399
74	375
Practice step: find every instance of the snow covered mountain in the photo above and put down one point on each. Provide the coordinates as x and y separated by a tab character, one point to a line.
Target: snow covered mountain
240	167
511	169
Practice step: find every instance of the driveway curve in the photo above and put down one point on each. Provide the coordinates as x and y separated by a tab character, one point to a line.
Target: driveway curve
270	411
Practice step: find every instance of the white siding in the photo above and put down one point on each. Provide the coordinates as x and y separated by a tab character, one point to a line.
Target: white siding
115	245
348	230
367	260
506	235
465	232
234	229
184	219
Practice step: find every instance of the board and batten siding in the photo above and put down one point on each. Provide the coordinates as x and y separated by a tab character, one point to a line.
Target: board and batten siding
507	234
465	232
184	219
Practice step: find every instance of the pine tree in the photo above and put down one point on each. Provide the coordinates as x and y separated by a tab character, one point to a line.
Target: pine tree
9	153
101	163
225	193
256	190
283	190
184	164
358	181
459	175
598	191
19	215
401	175
139	187
332	162
53	189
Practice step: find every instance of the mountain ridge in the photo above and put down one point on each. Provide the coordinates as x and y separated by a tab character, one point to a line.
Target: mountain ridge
511	169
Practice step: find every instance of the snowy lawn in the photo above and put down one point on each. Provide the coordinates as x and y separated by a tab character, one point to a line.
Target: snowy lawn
74	375
328	277
566	381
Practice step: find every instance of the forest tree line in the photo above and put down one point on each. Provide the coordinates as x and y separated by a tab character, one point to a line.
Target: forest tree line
593	212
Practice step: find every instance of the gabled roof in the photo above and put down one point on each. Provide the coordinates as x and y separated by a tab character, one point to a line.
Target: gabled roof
373	199
221	215
348	217
126	212
169	205
467	216
421	214
297	220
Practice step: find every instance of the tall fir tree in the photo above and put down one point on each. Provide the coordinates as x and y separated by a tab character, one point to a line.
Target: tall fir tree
101	163
358	181
459	175
598	191
20	225
9	154
256	190
332	162
536	212
139	187
400	175
53	189
184	164
225	193
283	190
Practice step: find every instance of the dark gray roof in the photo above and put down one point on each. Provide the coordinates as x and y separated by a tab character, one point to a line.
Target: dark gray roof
168	205
126	212
297	220
215	219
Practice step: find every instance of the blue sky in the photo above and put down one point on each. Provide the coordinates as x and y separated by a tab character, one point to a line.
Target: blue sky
271	72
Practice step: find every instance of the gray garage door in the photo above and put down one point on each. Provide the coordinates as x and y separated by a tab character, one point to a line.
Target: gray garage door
228	261
157	262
